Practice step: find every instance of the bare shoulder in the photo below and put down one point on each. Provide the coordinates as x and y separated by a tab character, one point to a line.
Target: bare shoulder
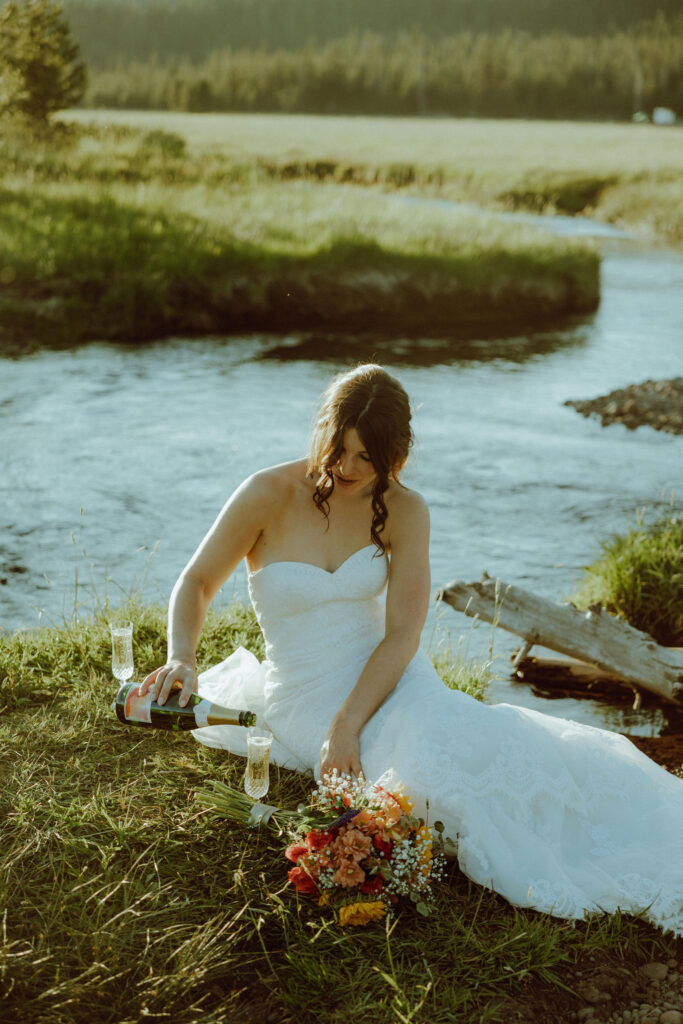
275	484
408	512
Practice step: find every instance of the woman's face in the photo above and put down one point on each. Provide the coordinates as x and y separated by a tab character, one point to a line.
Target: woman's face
354	473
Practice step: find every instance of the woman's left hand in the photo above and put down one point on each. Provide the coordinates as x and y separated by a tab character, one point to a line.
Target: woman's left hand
341	750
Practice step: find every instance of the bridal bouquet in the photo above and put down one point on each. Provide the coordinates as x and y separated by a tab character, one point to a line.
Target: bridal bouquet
357	847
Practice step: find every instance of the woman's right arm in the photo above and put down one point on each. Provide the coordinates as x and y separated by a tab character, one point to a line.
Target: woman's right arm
230	539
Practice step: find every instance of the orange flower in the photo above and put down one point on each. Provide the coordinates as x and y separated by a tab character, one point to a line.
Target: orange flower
316	840
403	800
294	851
366	818
303	882
425	850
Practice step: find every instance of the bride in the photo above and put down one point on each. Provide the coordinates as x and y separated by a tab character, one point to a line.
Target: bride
554	815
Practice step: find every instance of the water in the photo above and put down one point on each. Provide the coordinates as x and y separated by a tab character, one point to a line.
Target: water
109	452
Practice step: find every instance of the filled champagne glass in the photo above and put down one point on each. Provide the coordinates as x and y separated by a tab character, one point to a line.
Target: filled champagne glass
257	775
122	665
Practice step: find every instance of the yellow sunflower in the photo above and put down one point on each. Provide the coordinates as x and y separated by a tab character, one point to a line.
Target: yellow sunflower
361	913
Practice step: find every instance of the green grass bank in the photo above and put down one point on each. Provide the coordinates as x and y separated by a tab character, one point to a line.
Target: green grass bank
122	900
639	577
120	233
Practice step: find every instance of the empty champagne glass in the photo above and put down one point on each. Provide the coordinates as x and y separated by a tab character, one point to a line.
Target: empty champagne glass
256	775
122	649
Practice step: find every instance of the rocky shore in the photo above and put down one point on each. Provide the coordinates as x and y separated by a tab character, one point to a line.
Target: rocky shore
653	994
654	403
610	989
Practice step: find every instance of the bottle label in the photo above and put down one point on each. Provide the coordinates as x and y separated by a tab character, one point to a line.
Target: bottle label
137	708
201	711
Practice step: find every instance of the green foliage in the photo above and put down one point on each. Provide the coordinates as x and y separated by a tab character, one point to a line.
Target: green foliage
39	68
122	900
504	74
639	577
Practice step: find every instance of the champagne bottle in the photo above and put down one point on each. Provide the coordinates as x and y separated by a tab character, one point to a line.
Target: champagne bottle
132	709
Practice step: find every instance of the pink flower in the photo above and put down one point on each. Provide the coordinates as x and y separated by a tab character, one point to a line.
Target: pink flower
352	844
349	874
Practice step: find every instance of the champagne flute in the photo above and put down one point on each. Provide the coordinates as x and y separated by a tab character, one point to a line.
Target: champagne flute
122	649
256	775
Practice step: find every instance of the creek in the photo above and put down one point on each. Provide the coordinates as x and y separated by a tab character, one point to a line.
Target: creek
115	459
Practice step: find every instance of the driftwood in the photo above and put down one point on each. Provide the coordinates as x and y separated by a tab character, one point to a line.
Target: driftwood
591	636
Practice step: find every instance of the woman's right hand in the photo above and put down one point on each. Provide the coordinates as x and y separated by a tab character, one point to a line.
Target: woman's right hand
174	675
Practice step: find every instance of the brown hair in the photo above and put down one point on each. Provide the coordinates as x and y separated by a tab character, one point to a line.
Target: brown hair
376	405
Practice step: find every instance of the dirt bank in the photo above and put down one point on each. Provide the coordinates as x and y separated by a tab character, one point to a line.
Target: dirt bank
665	750
654	403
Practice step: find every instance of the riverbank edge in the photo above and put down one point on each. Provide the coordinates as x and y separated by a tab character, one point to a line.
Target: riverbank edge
653	403
400	301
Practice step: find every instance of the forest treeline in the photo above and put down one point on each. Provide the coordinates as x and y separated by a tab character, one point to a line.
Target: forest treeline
511	74
136	29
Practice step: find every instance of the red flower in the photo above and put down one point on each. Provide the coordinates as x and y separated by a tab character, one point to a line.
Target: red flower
371	885
295	851
385	845
302	881
315	840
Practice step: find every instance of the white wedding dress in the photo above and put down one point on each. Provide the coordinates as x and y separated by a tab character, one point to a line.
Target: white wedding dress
551	814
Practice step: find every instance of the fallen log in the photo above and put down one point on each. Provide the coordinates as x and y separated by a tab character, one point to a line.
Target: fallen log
592	636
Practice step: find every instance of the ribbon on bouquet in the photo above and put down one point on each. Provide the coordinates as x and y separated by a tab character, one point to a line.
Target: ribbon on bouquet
260	814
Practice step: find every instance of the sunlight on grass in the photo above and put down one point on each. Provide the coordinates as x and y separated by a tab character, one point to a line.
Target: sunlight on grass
481	161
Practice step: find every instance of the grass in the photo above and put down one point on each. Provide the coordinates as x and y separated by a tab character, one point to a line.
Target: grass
125	234
626	174
122	901
639	577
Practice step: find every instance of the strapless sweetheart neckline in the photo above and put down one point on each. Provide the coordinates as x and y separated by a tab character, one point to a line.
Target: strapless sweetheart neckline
312	565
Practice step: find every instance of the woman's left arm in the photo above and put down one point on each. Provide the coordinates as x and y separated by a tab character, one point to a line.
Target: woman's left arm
406	609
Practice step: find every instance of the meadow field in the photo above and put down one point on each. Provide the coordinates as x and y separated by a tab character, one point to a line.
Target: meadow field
627	174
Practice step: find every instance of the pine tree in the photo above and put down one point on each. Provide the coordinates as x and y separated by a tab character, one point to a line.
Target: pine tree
39	68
